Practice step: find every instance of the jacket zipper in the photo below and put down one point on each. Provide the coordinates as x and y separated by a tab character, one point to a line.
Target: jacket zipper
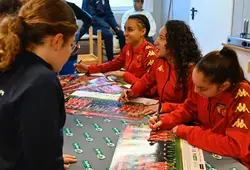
165	84
131	59
209	110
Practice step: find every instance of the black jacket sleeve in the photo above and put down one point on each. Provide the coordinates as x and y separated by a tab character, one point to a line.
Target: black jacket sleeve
110	17
41	121
84	17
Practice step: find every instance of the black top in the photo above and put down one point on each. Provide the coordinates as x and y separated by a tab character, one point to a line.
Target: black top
32	116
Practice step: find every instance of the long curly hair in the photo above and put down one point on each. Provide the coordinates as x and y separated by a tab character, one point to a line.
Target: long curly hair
183	45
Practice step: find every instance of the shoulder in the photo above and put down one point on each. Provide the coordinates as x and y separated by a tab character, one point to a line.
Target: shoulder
148	14
149	47
128	12
242	91
44	80
126	47
159	61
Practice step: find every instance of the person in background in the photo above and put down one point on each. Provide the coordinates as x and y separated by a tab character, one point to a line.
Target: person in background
82	15
104	20
218	108
34	44
137	55
138	9
172	70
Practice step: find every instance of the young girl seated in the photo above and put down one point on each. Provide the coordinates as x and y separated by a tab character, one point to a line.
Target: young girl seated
219	108
137	55
171	72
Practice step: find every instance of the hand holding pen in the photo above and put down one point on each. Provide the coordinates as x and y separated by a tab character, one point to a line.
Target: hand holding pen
158	115
81	68
155	122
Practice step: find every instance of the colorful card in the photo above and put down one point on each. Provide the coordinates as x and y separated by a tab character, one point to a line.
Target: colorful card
134	152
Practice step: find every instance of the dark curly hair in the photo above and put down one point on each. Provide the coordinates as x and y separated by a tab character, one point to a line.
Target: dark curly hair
183	45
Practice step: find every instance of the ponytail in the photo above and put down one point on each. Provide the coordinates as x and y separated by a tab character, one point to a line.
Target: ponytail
12	32
221	66
36	20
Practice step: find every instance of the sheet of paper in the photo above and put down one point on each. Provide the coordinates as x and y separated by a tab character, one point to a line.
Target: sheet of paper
127	85
145	101
96	95
97	74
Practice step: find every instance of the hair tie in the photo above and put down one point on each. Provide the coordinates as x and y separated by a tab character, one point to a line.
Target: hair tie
21	20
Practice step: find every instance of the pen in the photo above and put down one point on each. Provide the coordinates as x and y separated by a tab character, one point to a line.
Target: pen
78	63
158	115
159	112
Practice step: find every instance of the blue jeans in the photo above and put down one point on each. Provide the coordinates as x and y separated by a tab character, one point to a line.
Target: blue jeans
107	35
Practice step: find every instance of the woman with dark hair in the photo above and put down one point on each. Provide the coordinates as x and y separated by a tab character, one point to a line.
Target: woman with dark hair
171	72
218	106
137	55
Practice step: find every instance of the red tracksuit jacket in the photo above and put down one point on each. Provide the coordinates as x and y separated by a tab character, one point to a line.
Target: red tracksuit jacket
164	77
223	122
136	62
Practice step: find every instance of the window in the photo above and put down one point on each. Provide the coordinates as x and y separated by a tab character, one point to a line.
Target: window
77	2
124	5
121	5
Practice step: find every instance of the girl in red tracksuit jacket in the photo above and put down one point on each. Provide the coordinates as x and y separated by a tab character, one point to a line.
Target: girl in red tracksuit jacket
136	56
171	72
219	108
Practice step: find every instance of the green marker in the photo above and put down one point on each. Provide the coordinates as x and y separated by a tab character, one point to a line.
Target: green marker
68	132
141	124
117	131
209	166
77	148
88	137
233	168
78	123
124	122
97	127
218	157
107	120
99	153
86	164
109	142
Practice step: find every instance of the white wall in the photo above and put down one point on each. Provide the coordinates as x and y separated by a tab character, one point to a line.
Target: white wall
181	10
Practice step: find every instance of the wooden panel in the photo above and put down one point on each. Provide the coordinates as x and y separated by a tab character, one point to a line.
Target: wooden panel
99	47
91	43
88	59
236	48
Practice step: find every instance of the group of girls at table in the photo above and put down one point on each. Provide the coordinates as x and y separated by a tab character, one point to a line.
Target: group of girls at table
204	100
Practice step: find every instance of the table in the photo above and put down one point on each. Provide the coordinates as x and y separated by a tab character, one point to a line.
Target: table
79	129
99	142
